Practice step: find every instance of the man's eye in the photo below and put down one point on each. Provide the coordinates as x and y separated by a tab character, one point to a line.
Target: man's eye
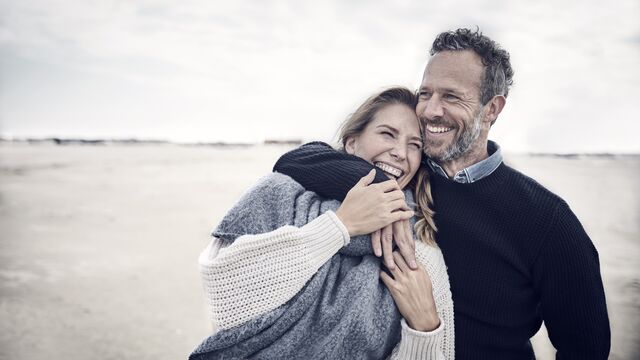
451	97
424	94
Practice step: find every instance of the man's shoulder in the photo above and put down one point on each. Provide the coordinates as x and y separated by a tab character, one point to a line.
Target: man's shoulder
531	189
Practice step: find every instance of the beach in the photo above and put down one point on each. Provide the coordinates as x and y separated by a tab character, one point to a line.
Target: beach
100	243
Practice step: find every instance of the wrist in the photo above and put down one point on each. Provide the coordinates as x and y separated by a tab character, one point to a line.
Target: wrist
344	221
425	323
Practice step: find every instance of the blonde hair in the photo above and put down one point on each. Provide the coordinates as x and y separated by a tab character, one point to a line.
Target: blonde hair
425	227
355	124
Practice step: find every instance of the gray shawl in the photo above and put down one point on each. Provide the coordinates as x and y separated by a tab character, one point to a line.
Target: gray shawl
343	312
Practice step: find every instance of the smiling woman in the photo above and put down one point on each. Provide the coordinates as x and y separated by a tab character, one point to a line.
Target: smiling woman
391	142
289	274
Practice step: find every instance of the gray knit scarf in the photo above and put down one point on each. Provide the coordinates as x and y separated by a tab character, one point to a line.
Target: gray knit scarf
343	312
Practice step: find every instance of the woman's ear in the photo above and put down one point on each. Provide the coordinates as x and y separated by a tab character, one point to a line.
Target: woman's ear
350	145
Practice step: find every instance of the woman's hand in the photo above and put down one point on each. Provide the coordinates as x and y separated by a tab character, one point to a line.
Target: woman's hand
399	232
411	290
369	207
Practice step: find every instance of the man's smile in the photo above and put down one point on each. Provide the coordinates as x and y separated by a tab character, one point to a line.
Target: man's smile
434	129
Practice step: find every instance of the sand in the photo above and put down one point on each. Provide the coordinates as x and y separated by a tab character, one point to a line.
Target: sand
99	243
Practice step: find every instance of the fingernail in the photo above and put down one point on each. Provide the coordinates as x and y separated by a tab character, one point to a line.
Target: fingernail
413	264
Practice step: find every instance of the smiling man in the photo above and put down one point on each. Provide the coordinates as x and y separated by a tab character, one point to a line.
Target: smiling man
516	253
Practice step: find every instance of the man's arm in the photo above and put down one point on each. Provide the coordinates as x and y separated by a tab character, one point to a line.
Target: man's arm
328	172
567	277
331	174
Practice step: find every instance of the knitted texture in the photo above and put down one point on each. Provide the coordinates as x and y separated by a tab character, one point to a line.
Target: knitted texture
516	255
261	272
343	311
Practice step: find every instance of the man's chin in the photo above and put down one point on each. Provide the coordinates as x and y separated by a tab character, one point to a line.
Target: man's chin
435	155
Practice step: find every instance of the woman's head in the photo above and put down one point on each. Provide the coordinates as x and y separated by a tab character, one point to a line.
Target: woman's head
385	131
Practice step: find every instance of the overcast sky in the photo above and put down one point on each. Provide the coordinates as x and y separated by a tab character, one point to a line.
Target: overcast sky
253	70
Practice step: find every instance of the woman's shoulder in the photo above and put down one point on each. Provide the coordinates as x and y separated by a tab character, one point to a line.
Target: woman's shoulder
275	183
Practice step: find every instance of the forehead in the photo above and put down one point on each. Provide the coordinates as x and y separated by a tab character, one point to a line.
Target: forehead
456	70
398	116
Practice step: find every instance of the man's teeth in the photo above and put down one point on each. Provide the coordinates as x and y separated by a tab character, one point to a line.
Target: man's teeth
389	169
438	129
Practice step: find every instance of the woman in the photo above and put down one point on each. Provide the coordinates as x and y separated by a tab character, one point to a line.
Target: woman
289	274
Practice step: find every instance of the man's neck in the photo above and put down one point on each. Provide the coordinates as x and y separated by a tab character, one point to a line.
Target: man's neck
473	156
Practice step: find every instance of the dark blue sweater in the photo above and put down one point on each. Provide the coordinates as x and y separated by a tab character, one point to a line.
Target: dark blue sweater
516	255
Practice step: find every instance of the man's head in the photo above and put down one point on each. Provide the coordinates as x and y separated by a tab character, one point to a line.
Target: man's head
463	91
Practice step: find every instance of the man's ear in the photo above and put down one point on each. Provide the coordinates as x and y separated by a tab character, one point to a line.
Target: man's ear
495	106
350	145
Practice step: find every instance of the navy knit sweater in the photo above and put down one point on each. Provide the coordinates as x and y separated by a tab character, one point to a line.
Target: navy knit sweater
516	255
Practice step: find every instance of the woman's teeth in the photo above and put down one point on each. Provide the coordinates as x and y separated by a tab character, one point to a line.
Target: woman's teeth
395	172
438	129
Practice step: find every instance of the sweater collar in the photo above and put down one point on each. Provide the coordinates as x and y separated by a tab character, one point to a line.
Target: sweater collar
476	171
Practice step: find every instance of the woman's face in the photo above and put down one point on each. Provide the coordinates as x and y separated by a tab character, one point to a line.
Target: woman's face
391	142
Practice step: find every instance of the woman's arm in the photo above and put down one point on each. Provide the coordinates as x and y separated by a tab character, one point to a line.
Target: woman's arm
258	273
408	290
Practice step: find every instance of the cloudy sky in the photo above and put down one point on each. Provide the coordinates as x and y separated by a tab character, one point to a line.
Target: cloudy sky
253	70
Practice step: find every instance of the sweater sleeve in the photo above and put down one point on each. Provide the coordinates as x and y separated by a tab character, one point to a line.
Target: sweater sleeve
439	343
328	172
257	273
567	276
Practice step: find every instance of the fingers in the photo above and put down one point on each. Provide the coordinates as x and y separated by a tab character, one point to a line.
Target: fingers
367	179
400	262
394	195
401	215
405	243
387	246
387	280
387	186
375	243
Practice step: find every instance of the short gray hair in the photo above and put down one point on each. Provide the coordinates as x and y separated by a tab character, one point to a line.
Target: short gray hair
498	74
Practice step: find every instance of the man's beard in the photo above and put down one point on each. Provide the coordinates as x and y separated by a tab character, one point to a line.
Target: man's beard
463	143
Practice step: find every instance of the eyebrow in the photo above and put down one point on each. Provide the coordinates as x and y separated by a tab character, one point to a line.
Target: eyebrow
418	138
446	90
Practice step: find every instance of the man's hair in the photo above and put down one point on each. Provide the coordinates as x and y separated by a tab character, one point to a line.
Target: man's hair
498	74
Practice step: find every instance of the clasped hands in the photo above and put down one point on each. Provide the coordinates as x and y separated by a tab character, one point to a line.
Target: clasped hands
381	210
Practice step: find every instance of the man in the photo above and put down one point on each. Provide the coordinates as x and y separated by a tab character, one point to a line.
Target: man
515	252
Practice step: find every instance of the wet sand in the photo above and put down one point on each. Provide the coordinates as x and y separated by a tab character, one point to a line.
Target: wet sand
99	243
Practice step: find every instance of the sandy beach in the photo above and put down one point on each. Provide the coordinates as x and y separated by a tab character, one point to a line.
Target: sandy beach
99	245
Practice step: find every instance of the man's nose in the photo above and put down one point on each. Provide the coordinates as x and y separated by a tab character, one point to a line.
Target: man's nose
432	108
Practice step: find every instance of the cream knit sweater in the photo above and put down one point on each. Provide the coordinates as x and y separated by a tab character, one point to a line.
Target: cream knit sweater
258	273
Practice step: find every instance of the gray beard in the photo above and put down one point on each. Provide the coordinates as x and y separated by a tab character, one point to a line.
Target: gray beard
464	142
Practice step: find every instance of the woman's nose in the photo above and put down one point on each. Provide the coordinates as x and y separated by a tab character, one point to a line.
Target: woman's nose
399	152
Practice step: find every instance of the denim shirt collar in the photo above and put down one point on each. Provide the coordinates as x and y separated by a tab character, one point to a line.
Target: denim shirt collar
476	171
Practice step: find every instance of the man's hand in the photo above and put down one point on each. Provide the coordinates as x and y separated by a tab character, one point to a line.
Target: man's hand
412	292
368	208
382	243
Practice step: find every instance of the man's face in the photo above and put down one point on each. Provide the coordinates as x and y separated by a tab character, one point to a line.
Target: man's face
449	105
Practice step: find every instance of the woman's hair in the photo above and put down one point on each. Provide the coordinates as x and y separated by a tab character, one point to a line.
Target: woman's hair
355	124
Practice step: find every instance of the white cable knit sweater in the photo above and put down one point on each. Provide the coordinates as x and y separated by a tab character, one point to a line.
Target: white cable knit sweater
258	273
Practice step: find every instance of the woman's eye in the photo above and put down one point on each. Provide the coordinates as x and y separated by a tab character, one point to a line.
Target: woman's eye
416	146
386	133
